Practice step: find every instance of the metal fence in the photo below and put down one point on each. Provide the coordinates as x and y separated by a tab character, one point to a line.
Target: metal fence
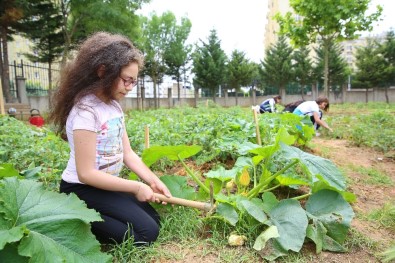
35	75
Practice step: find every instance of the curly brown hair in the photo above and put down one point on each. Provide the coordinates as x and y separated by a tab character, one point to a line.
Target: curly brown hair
80	77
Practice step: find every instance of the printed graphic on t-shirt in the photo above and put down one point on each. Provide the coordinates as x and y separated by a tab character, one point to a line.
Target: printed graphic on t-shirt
109	147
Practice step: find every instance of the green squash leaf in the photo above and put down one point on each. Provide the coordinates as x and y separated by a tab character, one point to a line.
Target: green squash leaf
260	242
11	235
316	166
245	147
330	208
284	137
291	221
222	174
154	153
317	232
10	254
57	225
178	186
291	179
228	212
269	201
322	184
8	170
254	210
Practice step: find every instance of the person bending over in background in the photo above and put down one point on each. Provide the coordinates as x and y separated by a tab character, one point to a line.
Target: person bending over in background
269	105
314	110
87	111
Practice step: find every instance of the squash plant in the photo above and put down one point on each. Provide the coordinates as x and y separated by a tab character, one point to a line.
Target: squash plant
43	226
284	223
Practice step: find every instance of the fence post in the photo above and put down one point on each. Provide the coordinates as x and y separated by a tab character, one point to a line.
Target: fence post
21	86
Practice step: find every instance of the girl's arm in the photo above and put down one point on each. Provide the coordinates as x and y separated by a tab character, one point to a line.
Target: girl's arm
321	122
85	155
134	163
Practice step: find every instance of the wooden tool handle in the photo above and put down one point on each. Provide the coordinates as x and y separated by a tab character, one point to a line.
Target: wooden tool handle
184	202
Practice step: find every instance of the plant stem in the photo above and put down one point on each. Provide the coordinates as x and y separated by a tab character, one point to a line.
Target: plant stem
194	177
255	191
301	196
271	189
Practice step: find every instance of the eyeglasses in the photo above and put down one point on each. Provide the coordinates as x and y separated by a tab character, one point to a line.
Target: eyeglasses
129	81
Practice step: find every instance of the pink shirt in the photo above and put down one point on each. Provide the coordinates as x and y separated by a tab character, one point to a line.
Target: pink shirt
107	121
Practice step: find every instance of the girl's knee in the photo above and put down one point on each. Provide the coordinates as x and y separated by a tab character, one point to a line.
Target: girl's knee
148	235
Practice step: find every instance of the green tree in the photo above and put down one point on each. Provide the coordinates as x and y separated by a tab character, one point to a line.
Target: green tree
387	50
239	72
177	53
338	70
81	18
46	35
326	21
12	12
303	68
371	66
276	68
157	36
209	64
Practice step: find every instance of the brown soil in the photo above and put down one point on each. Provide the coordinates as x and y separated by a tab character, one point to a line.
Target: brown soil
351	160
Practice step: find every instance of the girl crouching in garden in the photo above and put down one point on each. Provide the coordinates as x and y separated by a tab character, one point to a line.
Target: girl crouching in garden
314	110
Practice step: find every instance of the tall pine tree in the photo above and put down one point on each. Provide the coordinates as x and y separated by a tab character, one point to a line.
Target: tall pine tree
303	68
239	72
209	64
277	66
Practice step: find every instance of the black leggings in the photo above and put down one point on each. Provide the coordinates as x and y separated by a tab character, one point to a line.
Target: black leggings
316	125
121	213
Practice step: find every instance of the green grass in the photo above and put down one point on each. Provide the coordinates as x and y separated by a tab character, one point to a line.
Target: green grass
385	216
356	240
370	125
375	177
183	232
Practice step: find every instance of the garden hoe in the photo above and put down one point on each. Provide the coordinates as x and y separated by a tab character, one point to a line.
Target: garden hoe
185	202
207	207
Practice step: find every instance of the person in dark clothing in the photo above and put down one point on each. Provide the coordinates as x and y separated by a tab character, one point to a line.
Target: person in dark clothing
269	105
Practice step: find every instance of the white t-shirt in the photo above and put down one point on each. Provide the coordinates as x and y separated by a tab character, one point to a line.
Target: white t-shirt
107	121
307	108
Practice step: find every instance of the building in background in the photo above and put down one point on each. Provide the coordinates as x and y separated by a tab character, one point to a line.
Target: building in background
272	27
350	47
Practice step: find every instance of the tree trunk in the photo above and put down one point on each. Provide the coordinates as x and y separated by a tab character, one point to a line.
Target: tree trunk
5	69
282	92
179	90
237	97
154	80
386	94
196	97
326	67
214	94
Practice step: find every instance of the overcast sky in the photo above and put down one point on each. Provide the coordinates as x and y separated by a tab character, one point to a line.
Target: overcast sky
239	25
